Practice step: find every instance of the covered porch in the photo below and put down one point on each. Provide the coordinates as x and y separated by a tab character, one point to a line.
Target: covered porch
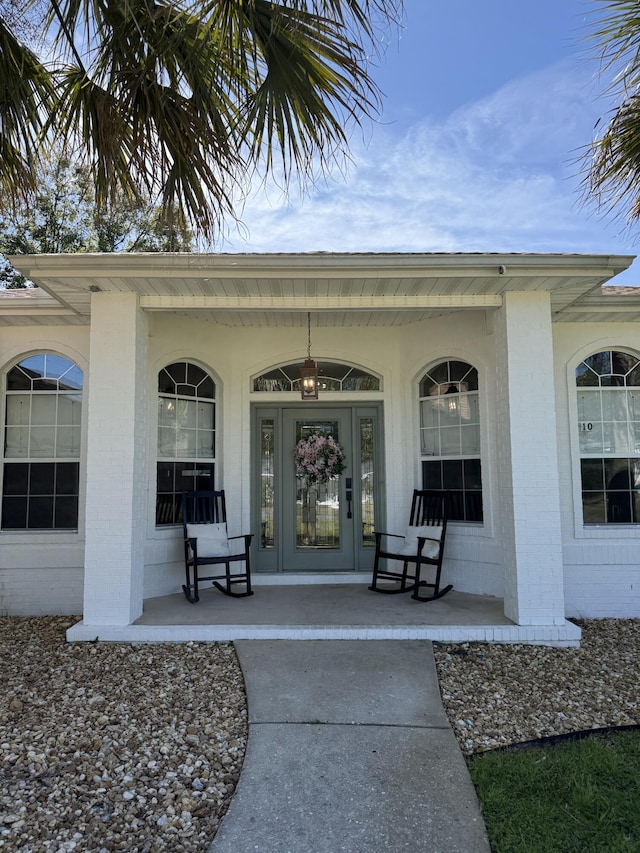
239	318
305	610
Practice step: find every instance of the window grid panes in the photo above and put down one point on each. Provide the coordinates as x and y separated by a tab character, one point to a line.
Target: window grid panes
186	436
450	436
42	444
608	404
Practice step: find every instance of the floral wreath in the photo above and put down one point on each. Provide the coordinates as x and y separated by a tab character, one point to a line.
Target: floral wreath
319	458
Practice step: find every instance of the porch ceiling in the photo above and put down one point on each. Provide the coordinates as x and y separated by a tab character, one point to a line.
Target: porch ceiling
340	289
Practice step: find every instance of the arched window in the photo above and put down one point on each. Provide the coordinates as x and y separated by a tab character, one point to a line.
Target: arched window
332	376
608	391
42	444
186	436
450	436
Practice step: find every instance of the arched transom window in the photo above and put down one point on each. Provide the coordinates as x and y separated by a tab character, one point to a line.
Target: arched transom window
42	444
608	392
186	436
450	436
332	376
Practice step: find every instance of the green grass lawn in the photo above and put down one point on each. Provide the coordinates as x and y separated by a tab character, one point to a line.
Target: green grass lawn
580	796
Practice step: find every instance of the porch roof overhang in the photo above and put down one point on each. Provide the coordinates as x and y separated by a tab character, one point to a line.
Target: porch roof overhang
340	289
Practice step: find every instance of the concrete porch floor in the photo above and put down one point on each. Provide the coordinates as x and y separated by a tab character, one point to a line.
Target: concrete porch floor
330	611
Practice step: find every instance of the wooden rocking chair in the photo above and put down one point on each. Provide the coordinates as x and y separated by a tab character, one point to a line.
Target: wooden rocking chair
206	543
421	547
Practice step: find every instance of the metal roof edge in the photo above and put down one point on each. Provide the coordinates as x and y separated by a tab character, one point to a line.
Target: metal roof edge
107	264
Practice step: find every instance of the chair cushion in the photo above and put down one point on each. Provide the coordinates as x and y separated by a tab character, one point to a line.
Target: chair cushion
431	549
212	539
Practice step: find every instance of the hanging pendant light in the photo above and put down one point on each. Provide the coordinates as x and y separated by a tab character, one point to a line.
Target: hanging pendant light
309	370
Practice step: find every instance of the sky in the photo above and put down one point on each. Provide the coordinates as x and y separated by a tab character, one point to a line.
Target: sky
487	107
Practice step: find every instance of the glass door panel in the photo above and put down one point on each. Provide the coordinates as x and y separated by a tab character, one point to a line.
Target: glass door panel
267	483
317	503
317	526
367	473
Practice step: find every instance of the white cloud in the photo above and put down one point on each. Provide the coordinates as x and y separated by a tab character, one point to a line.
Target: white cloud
496	175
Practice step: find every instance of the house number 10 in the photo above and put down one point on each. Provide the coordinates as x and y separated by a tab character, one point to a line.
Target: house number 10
586	426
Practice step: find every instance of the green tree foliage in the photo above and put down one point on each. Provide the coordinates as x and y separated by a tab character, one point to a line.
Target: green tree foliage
182	102
63	217
612	163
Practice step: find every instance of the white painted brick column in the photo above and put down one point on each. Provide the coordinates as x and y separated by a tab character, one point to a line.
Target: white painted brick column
528	499
116	500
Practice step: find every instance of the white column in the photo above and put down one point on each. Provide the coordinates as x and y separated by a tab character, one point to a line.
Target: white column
528	505
116	461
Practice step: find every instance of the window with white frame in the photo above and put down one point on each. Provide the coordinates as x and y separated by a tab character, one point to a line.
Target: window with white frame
608	397
450	436
186	436
41	458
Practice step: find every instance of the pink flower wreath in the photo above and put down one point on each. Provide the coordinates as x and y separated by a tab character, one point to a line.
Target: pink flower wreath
319	459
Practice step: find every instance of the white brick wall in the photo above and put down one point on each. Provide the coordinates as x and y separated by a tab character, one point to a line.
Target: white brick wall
41	591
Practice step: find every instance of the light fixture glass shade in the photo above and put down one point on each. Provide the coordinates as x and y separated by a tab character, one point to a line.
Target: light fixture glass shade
309	380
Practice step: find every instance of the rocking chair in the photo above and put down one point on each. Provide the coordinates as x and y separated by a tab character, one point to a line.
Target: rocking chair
204	519
422	546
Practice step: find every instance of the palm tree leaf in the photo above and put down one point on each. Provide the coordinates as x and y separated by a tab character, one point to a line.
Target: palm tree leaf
306	82
614	175
26	97
180	102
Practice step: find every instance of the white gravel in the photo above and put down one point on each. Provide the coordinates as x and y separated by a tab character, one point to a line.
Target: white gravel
496	695
115	747
138	748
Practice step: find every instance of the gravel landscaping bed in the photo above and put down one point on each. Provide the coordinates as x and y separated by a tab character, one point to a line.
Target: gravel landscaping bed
115	747
138	748
498	695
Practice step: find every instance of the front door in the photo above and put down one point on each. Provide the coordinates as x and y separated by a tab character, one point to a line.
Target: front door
309	521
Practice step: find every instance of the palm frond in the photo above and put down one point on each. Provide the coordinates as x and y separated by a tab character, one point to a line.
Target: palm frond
305	84
26	98
180	102
614	173
611	163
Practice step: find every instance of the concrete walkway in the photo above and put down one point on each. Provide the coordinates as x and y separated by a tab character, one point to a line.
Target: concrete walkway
349	751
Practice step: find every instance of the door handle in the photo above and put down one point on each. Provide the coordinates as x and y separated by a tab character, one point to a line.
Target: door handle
349	496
